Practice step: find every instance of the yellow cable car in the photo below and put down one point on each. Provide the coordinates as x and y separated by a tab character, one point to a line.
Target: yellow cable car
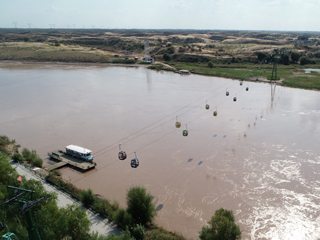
178	124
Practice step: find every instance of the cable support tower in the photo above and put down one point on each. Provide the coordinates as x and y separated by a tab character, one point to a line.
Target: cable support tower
146	50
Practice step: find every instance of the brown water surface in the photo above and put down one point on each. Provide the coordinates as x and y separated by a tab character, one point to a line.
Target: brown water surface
259	157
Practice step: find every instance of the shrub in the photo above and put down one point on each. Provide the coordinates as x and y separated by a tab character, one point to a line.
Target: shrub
87	197
26	153
17	157
210	64
33	156
160	233
57	44
166	57
170	50
37	162
55	172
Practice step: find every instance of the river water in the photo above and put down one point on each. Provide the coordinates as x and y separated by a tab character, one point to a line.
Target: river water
259	157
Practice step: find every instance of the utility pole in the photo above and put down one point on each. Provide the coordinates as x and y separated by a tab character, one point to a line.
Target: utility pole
15	24
23	197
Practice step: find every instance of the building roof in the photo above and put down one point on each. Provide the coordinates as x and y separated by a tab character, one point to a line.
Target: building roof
78	149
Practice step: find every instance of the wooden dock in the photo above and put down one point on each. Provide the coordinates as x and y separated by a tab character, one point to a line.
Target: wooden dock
65	159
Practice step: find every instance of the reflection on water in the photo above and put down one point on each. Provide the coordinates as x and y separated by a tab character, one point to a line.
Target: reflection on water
259	157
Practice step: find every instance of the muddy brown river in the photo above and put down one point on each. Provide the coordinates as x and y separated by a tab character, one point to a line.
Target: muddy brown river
259	157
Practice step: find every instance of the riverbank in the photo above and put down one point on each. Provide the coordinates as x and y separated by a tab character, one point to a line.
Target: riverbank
289	75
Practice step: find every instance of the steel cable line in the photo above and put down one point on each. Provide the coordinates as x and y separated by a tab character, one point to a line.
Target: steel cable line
155	126
157	121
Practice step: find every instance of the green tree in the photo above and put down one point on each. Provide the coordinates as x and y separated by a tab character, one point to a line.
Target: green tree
221	227
123	219
210	64
295	56
166	57
77	222
304	60
262	56
284	59
140	205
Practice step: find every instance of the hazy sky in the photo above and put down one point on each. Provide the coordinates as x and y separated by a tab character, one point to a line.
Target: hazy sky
301	15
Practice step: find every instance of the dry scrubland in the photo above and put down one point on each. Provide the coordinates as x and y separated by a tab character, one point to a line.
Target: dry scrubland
233	53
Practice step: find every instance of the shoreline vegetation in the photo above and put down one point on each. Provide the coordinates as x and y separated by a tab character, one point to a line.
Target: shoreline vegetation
136	221
227	54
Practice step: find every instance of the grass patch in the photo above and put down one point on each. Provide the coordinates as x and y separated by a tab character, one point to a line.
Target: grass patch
303	82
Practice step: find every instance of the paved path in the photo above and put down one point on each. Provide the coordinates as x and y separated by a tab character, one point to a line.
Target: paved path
98	224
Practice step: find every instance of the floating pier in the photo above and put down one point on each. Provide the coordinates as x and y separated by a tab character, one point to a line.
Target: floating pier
65	159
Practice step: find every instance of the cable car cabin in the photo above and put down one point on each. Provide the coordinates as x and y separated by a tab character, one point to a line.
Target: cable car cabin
215	113
178	124
185	133
122	155
241	83
227	93
134	162
79	152
207	106
235	99
247	88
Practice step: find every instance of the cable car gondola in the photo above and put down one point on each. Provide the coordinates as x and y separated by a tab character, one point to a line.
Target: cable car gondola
247	88
135	161
235	98
207	105
227	93
122	154
241	83
178	124
251	75
215	113
185	132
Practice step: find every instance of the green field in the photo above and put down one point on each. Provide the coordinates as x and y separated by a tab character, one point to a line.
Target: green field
290	75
